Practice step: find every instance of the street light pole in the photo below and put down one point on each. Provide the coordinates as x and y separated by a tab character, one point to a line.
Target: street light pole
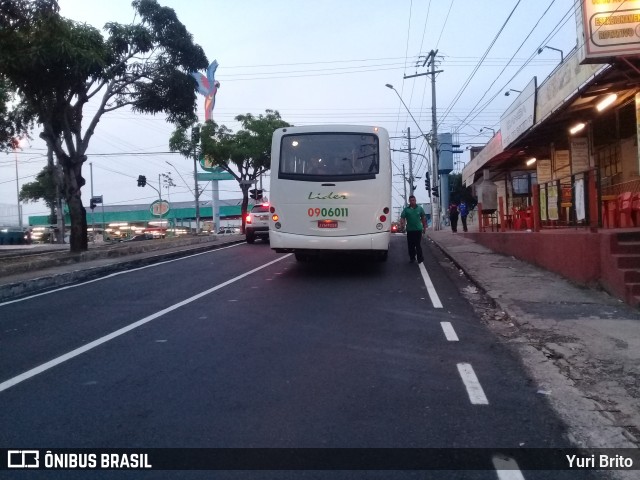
195	140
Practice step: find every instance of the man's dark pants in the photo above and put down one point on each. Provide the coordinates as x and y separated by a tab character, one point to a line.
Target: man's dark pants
413	241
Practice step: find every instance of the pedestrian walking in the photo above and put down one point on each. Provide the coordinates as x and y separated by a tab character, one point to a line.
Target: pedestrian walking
453	217
414	221
464	211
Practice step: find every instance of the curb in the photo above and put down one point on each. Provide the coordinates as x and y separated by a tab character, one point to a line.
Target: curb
505	307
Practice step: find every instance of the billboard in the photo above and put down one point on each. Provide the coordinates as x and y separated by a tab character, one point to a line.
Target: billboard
607	28
520	116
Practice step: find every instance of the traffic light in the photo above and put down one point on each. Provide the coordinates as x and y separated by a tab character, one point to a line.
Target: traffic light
434	190
142	180
427	182
256	194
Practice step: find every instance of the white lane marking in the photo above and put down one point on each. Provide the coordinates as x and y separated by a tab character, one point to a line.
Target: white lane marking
507	468
111	275
449	332
430	288
474	389
89	346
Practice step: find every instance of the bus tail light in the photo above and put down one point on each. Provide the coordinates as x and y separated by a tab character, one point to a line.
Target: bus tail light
275	217
383	218
386	210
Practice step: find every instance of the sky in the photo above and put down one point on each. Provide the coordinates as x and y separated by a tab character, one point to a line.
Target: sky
321	62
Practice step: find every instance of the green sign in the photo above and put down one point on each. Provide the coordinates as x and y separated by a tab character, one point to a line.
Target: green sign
221	175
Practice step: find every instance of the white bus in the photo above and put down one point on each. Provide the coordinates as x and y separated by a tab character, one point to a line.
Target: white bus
330	190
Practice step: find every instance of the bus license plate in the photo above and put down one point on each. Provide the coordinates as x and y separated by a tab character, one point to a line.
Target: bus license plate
327	224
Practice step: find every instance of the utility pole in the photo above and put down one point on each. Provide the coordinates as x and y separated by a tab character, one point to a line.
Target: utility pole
430	60
434	141
404	182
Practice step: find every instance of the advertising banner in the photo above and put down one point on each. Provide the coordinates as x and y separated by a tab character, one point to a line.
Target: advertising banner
520	116
579	155
608	28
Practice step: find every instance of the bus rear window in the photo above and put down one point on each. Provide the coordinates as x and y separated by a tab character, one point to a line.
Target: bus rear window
329	156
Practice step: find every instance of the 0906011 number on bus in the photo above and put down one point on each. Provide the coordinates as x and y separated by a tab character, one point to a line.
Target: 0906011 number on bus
328	212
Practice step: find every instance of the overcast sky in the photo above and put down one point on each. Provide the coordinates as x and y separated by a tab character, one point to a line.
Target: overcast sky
320	62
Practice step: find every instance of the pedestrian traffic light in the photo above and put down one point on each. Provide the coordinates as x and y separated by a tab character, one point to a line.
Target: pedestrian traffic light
142	180
434	190
427	182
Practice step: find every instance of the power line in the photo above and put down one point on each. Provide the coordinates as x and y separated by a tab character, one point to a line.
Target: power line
477	67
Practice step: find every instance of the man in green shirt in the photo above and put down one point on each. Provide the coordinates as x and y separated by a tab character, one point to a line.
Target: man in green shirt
415	219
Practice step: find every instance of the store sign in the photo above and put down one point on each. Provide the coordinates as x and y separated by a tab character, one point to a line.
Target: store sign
491	149
520	116
608	28
566	79
579	155
543	167
159	208
562	167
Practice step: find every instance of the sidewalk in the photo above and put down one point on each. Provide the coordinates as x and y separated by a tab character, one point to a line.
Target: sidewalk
581	346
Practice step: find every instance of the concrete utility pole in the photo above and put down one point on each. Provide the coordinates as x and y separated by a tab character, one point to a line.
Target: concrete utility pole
431	61
404	183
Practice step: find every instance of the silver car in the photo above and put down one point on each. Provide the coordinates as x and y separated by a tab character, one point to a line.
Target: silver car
257	223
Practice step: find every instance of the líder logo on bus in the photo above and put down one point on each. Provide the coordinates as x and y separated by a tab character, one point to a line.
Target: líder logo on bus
328	196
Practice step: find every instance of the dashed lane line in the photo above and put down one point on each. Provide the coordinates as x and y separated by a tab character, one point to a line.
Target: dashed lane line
449	332
89	346
433	295
470	380
507	468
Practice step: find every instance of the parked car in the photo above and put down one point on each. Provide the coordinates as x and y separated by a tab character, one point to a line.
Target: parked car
257	223
140	237
229	231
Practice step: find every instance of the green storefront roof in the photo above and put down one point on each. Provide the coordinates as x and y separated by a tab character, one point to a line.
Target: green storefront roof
133	216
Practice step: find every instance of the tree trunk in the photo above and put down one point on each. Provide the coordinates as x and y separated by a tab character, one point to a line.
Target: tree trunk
56	210
245	204
60	219
78	239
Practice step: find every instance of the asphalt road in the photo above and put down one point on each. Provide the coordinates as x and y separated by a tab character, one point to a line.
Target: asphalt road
244	348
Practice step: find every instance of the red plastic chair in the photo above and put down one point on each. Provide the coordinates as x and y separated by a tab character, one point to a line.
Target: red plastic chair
624	210
528	217
516	219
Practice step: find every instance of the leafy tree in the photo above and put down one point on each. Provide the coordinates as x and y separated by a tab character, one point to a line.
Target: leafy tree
43	188
246	154
57	66
14	121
